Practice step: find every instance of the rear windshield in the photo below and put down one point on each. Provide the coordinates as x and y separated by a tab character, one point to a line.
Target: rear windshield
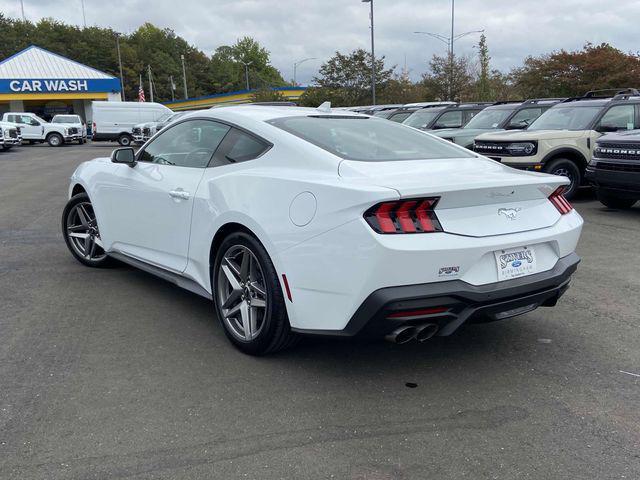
368	139
490	118
566	118
65	119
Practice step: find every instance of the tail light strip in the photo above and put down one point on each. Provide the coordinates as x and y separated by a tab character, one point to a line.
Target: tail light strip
415	215
558	200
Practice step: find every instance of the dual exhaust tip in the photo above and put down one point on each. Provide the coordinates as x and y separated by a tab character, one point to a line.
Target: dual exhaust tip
405	334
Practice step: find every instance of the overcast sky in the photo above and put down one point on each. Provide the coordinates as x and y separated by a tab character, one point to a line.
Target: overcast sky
296	29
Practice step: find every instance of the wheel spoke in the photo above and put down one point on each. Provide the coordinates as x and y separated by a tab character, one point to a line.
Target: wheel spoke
83	215
245	266
258	289
245	313
234	296
230	275
77	228
233	311
82	235
98	242
92	251
258	303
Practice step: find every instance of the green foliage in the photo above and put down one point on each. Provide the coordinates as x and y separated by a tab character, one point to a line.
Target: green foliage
148	45
267	95
483	87
449	78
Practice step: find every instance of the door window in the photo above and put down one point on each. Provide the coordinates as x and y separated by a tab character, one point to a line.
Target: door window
187	144
449	120
237	147
620	117
524	117
468	115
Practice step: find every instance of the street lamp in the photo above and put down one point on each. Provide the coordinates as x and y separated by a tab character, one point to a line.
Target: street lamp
373	57
295	67
246	72
184	78
449	42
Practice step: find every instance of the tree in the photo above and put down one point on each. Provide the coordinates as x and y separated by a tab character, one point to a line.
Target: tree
564	74
348	77
483	87
267	95
449	78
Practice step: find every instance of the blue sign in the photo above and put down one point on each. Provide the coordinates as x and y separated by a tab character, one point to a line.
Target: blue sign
59	85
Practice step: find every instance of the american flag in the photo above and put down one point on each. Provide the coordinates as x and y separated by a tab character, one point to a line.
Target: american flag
141	92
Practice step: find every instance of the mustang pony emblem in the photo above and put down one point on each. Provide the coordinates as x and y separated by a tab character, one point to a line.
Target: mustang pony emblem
510	213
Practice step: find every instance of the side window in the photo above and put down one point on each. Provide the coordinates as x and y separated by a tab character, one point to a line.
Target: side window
524	118
620	117
237	147
450	120
188	144
468	115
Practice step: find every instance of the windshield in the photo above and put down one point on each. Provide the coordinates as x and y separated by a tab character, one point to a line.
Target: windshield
165	117
422	118
368	139
66	119
490	118
566	118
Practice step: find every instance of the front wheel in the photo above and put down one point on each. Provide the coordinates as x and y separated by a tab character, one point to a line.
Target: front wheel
612	201
55	140
569	169
81	233
248	298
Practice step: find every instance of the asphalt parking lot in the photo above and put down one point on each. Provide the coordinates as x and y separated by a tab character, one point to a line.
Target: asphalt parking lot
116	374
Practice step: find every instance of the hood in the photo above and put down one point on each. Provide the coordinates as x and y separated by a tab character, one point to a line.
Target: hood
528	135
461	132
628	136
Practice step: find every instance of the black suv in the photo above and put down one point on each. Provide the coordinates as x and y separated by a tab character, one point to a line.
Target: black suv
445	116
614	169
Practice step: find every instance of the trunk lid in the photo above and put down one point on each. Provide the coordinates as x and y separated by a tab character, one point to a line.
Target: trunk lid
478	197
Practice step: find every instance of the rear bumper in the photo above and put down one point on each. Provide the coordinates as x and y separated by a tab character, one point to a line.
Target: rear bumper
620	182
463	302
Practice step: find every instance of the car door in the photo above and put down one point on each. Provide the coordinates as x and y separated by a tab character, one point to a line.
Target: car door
145	210
30	128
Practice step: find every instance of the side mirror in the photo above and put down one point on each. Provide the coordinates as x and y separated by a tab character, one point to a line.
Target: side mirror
124	155
35	123
606	128
517	126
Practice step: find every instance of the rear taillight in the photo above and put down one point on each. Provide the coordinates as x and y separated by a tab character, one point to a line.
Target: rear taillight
404	216
558	200
93	127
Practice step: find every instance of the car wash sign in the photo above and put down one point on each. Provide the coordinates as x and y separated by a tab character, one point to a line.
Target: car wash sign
59	85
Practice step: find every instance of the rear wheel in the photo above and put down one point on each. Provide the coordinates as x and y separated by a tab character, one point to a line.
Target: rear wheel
124	140
55	140
81	233
566	168
248	298
613	201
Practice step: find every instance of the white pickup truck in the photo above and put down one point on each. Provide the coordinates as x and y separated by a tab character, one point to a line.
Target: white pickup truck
9	135
35	129
73	121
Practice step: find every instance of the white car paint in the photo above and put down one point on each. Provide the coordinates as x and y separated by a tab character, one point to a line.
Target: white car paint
306	205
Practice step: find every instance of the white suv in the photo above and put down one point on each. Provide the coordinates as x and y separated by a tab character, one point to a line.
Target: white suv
561	141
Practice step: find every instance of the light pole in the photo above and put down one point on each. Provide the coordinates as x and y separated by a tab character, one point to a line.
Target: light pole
246	72
124	99
184	77
373	57
295	68
84	17
449	42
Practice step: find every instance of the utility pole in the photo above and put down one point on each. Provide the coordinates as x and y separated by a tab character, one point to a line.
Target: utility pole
373	56
453	9
150	82
184	78
22	8
173	88
84	17
246	72
124	99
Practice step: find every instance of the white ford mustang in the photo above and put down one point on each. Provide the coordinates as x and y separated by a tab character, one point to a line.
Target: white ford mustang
316	221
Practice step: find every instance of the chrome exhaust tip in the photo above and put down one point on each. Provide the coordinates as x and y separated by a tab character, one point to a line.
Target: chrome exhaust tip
426	331
402	335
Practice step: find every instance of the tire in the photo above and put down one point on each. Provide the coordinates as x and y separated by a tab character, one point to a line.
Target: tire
271	331
612	201
566	168
55	140
86	250
125	140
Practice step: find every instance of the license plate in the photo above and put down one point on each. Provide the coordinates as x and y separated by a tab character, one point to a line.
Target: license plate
515	262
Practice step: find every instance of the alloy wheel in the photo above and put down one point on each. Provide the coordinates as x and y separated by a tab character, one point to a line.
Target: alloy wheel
83	233
241	292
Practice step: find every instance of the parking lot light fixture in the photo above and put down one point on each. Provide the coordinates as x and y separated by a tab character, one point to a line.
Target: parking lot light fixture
373	57
295	68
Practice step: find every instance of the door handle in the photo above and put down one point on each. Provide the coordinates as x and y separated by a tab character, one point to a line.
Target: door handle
180	194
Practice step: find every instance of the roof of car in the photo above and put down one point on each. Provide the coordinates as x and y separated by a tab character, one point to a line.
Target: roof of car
264	113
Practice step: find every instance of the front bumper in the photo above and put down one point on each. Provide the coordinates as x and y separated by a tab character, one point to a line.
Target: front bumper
521	163
11	141
462	301
625	183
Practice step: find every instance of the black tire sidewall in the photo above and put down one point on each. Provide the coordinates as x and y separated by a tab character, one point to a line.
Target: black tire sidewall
81	197
572	189
124	140
614	202
276	316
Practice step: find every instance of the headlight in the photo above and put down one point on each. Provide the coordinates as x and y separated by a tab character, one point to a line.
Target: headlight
522	149
66	131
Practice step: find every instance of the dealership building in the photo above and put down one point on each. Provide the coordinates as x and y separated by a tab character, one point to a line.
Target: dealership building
45	83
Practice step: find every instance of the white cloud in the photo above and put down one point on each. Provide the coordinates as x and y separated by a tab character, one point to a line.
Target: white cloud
295	29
